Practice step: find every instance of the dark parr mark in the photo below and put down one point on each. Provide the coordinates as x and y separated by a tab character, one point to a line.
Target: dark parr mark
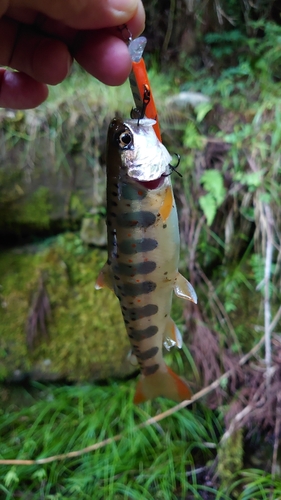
150	353
150	370
147	333
139	268
130	192
135	289
136	219
142	312
132	246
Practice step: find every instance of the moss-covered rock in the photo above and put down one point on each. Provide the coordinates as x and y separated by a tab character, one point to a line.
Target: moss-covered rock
53	323
52	158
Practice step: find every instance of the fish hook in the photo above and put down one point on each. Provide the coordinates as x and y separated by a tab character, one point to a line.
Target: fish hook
140	113
124	29
173	168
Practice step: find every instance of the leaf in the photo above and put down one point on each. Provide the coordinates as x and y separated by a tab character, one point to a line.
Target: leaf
192	139
213	182
202	110
251	179
208	205
11	477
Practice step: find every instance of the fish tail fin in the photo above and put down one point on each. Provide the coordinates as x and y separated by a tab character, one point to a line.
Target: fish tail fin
164	383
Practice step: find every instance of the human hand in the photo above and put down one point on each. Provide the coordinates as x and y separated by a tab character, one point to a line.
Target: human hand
40	39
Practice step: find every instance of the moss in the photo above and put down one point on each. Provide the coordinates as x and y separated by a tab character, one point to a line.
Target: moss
86	336
230	458
36	210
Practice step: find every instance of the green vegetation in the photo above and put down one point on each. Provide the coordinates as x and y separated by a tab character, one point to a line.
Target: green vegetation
168	460
229	205
82	333
155	462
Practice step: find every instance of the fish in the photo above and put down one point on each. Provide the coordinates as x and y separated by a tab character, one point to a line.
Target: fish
143	252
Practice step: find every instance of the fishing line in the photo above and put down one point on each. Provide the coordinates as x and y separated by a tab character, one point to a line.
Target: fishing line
173	168
124	28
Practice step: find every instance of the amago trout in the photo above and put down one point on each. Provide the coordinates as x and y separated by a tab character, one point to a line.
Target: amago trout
143	251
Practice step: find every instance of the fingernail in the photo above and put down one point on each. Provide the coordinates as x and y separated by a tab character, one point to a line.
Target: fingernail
127	7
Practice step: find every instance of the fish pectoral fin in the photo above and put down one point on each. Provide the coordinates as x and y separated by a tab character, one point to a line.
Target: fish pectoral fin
104	279
172	336
184	289
166	383
132	358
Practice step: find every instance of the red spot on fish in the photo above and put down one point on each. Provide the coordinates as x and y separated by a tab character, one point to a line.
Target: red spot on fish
140	193
129	235
134	245
130	260
137	281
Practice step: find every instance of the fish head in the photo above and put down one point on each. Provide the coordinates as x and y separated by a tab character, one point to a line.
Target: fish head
142	157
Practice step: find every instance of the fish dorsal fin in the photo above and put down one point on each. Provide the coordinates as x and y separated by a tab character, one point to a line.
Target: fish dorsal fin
104	279
184	289
172	336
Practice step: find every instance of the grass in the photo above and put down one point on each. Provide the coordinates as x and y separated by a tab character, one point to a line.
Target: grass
149	463
173	460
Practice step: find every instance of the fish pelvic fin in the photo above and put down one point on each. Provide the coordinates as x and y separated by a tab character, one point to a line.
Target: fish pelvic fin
104	279
164	383
184	290
172	336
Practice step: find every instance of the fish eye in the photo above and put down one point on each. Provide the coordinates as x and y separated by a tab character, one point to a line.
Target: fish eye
124	139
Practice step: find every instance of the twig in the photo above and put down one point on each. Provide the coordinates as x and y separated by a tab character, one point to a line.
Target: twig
235	420
276	436
275	320
170	26
267	273
150	421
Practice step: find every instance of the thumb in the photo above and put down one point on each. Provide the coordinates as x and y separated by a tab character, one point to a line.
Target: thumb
83	14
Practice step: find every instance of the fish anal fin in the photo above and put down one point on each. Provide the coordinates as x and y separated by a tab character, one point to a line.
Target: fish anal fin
164	383
139	395
184	289
172	335
104	279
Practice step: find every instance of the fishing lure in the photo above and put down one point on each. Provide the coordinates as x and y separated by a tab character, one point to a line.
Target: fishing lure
140	85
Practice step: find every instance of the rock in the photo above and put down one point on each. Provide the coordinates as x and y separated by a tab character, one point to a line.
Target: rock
185	99
79	336
50	172
93	230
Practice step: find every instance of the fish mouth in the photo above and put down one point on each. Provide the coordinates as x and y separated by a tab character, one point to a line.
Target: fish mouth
155	184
